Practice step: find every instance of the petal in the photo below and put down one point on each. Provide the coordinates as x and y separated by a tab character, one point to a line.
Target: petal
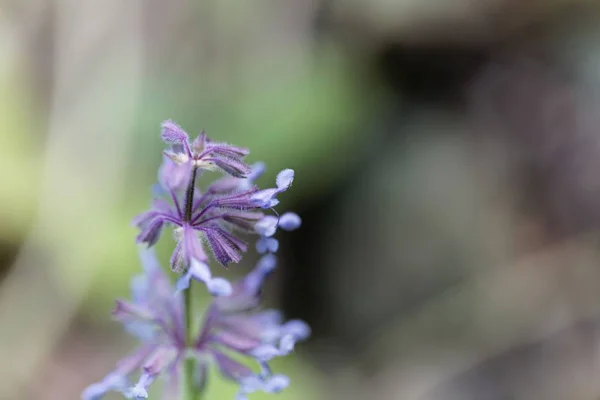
264	198
286	344
151	231
219	287
224	246
172	385
284	179
297	328
256	170
226	149
111	382
235	341
174	176
244	220
200	271
251	384
199	143
229	367
191	248
265	352
289	221
238	201
125	311
266	226
254	280
264	245
172	133
160	360
176	262
232	166
117	380
276	383
158	287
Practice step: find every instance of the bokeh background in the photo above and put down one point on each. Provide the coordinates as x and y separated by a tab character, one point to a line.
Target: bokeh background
447	157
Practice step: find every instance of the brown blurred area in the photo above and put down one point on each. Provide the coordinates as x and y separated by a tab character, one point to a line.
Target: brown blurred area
448	160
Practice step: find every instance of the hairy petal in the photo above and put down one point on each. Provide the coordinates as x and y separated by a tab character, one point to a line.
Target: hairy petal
230	368
173	133
225	247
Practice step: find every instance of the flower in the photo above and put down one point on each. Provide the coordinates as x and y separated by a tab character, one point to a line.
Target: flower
228	205
267	227
266	198
231	325
156	317
203	152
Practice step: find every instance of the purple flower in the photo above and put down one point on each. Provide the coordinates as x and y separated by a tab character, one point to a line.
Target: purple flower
203	152
266	198
156	316
210	218
267	227
232	324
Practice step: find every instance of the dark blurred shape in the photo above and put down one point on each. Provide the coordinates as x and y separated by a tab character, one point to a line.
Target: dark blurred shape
548	129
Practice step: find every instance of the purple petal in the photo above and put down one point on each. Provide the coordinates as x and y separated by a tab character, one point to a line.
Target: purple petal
172	133
117	380
160	360
265	352
227	150
219	287
144	218
254	280
235	341
229	367
192	247
256	170
286	344
296	328
251	384
289	221
266	226
199	143
225	247
174	176
231	166
266	264
284	179
264	245
125	311
264	198
177	262
244	220
172	386
150	232
276	383
200	271
239	201
111	382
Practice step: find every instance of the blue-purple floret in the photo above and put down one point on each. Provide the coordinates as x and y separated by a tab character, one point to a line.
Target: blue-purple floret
232	325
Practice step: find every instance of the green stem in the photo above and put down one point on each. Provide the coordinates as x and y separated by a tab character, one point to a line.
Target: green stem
191	391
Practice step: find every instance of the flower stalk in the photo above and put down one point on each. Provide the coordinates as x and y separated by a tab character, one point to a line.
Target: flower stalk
234	330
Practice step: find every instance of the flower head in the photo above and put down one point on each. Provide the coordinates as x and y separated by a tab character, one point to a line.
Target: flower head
232	324
212	218
156	317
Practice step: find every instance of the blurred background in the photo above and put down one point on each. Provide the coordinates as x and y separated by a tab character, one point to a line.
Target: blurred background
447	157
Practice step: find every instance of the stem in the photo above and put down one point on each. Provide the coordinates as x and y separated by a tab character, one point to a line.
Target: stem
190	391
189	196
